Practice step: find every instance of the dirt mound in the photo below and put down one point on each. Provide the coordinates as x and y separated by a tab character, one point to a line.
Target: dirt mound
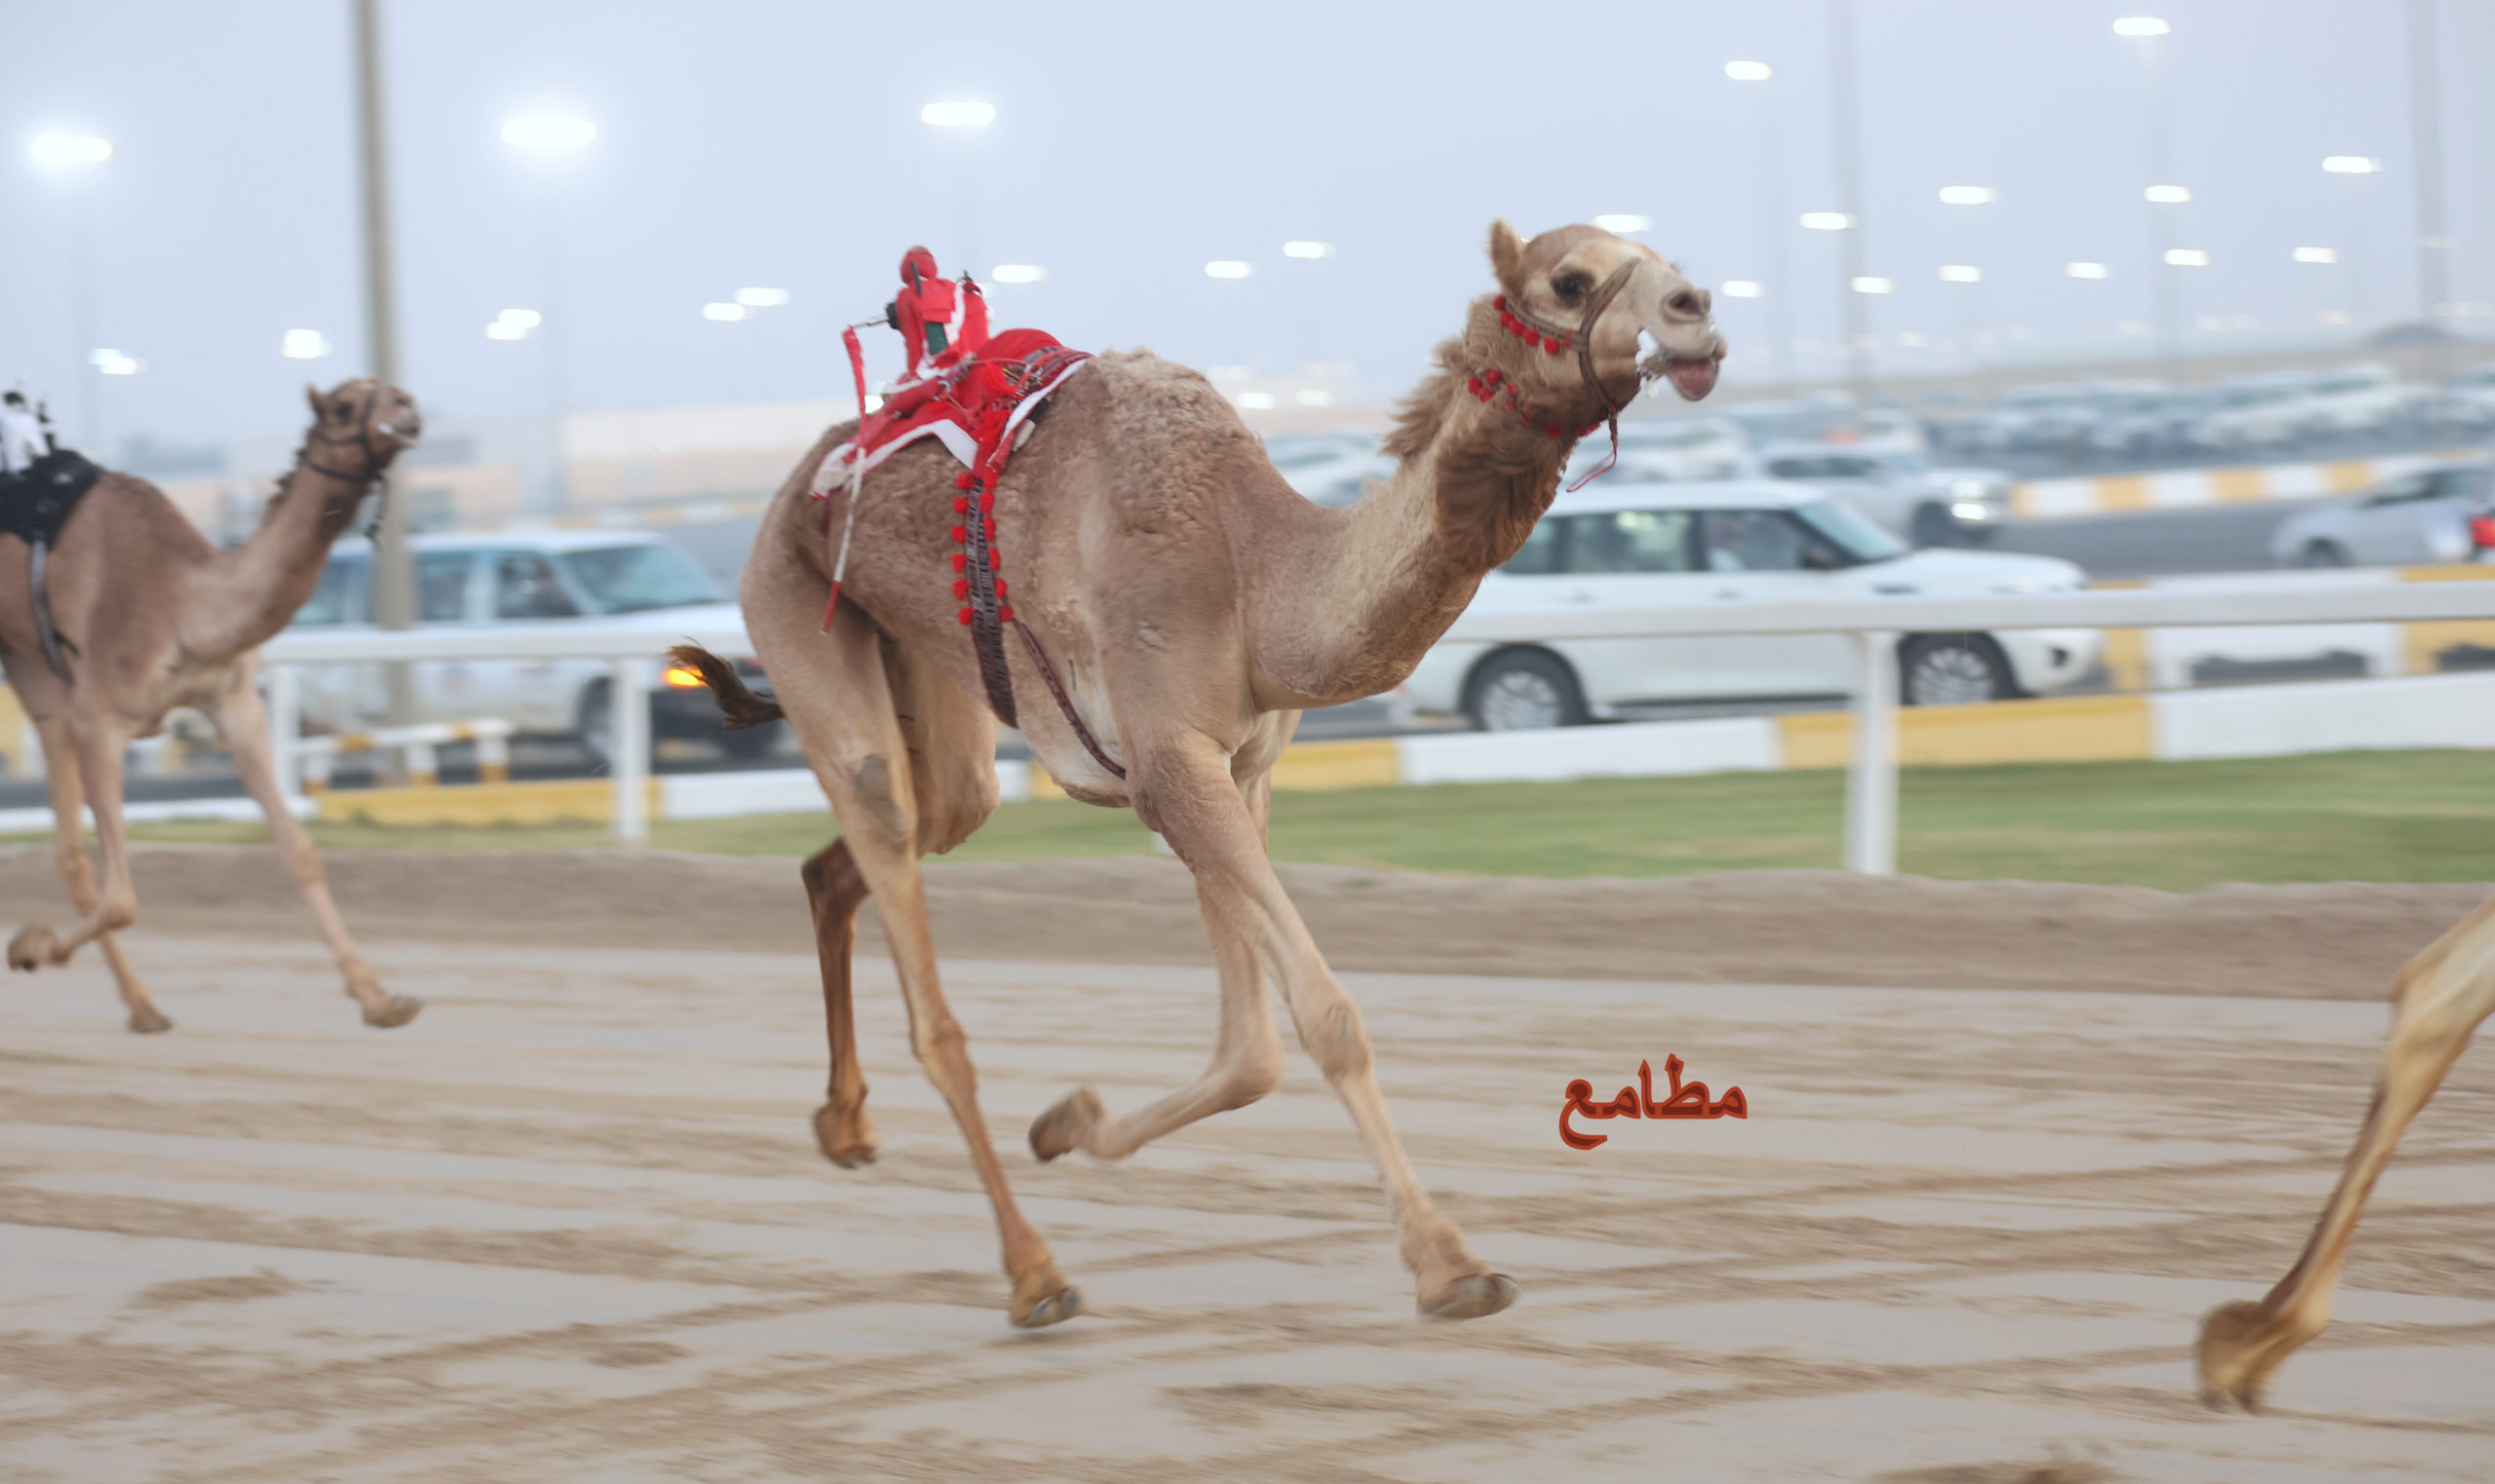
2338	940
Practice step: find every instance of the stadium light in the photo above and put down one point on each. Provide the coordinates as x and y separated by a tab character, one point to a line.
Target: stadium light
2169	195
1748	71
2084	270
2351	164
1969	195
1228	268
762	298
961	115
1961	273
2315	256
549	133
2186	257
53	150
1256	401
2141	26
513	325
1305	248
1826	221
303	345
725	314
1869	284
1019	273
1744	288
115	363
1622	221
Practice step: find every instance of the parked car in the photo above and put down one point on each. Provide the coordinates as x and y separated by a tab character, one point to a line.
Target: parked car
2468	396
522	580
1671	448
2145	424
1329	468
1900	491
2284	406
2437	514
1634	546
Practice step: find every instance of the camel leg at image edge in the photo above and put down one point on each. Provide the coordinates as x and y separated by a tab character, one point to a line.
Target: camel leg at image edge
839	699
69	859
244	725
834	892
96	753
1247	1054
2443	994
1185	792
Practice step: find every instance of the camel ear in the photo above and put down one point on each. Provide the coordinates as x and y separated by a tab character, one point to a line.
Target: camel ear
312	395
1506	256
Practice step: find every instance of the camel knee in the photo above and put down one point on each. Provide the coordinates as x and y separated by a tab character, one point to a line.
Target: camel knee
115	913
944	1051
1335	1038
1250	1077
832	879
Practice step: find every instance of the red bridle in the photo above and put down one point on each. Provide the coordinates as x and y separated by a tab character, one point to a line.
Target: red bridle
1493	385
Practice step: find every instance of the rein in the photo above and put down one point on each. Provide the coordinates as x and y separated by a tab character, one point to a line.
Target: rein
375	461
1552	339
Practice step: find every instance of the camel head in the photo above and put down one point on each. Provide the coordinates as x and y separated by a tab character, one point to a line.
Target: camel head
379	420
1654	323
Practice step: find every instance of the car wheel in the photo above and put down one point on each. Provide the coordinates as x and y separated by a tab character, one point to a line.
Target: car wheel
2325	554
749	742
1953	669
1522	689
1933	527
593	724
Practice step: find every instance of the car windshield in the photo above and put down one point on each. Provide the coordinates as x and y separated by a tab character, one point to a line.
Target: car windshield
636	579
1849	531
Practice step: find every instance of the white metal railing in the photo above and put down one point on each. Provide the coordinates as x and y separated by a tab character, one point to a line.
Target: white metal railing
318	756
1874	626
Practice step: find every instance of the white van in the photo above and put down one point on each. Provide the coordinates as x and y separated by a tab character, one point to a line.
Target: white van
520	580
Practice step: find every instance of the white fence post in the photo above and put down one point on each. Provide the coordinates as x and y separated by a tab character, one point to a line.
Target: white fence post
630	694
1871	775
285	728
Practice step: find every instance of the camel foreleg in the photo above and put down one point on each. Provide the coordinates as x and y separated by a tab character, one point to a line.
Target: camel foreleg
1184	788
2441	995
1246	1053
69	859
243	724
93	747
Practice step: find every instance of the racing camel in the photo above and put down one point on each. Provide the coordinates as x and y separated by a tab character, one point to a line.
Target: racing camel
131	613
2440	999
1193	604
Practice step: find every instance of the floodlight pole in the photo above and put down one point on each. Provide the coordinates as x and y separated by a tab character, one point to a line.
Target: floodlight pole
392	570
2425	128
1855	314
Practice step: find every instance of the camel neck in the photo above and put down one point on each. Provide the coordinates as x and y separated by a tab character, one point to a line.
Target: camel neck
1389	574
257	588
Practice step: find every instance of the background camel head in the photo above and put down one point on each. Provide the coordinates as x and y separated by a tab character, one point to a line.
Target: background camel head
379	420
1554	275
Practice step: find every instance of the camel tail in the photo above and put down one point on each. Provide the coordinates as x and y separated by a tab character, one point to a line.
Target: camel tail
738	703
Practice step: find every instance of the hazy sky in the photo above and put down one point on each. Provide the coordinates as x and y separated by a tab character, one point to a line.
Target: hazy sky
778	144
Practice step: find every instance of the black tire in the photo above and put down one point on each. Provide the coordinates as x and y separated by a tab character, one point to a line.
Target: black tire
1931	527
748	742
1953	669
1519	689
2325	554
593	723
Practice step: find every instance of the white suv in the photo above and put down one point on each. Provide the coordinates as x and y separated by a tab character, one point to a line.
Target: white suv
1656	545
522	580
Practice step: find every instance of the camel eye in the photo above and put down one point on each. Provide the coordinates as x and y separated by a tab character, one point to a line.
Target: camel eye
1569	286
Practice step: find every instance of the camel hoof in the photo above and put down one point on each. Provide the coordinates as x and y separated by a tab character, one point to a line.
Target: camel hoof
33	948
847	1141
1061	1129
1470	1297
2229	1358
398	1010
150	1021
1056	1308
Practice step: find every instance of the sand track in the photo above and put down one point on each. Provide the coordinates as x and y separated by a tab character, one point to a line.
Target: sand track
570	1224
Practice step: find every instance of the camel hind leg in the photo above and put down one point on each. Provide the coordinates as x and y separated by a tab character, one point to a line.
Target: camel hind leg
847	709
2442	995
67	792
952	765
